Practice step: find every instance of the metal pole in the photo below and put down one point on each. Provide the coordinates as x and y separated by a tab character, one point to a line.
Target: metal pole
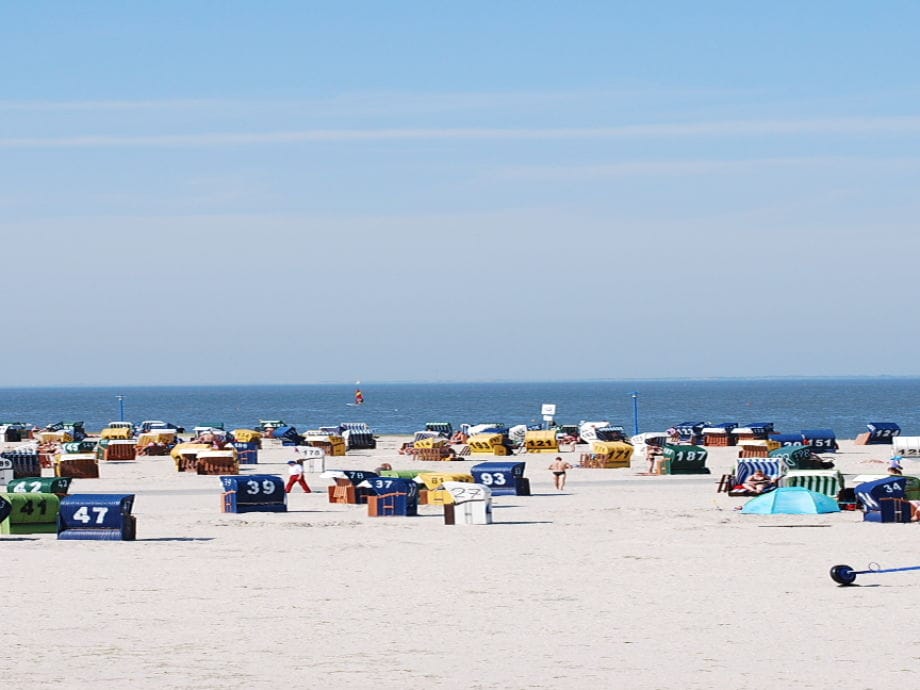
635	397
121	407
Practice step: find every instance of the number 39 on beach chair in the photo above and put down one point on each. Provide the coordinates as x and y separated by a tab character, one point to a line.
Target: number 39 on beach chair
104	517
253	493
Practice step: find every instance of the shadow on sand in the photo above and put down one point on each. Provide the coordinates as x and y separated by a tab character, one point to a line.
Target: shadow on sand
177	539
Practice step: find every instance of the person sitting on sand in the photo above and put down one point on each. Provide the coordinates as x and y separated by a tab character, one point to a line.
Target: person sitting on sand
147	449
759	483
558	468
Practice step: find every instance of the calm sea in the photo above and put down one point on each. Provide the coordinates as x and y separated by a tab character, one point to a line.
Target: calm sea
844	405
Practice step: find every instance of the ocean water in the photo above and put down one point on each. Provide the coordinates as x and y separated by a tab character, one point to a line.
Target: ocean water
844	405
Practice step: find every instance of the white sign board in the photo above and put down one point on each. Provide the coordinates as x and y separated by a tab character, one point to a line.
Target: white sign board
548	410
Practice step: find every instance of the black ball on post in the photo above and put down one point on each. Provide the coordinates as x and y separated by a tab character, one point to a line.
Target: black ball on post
843	575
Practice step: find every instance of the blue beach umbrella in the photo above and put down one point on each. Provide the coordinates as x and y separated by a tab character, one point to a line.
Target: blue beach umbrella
791	500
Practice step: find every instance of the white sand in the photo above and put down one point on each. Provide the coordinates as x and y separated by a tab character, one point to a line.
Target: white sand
623	581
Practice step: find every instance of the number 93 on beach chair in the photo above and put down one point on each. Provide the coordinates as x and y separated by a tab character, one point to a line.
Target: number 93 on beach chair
103	517
503	478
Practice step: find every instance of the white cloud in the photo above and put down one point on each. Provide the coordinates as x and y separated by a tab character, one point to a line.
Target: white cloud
847	125
103	105
692	167
375	102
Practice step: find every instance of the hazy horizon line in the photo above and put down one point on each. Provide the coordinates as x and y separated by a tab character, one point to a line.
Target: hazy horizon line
403	382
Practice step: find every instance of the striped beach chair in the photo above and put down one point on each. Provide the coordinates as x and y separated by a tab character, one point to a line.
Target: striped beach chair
745	468
358	435
827	482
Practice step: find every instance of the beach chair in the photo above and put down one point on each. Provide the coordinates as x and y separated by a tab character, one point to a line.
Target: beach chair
105	517
488	444
610	454
218	462
755	431
744	468
720	435
610	433
346	487
333	445
798	457
911	483
358	436
253	493
879	433
820	440
470	504
906	446
59	486
827	482
753	448
445	429
438	454
32	513
432	491
543	441
391	497
691	432
686	459
119	450
884	500
503	478
25	462
77	466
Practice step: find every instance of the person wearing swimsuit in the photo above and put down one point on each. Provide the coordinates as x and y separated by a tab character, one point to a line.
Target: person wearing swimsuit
558	468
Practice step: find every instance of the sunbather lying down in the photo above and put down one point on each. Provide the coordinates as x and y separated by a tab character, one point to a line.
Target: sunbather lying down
759	483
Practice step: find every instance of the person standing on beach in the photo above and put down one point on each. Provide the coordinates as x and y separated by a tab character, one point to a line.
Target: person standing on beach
558	468
295	476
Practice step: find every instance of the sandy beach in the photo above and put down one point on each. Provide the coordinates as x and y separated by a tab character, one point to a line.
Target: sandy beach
621	581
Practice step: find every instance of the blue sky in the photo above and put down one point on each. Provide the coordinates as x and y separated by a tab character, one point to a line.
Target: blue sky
261	192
